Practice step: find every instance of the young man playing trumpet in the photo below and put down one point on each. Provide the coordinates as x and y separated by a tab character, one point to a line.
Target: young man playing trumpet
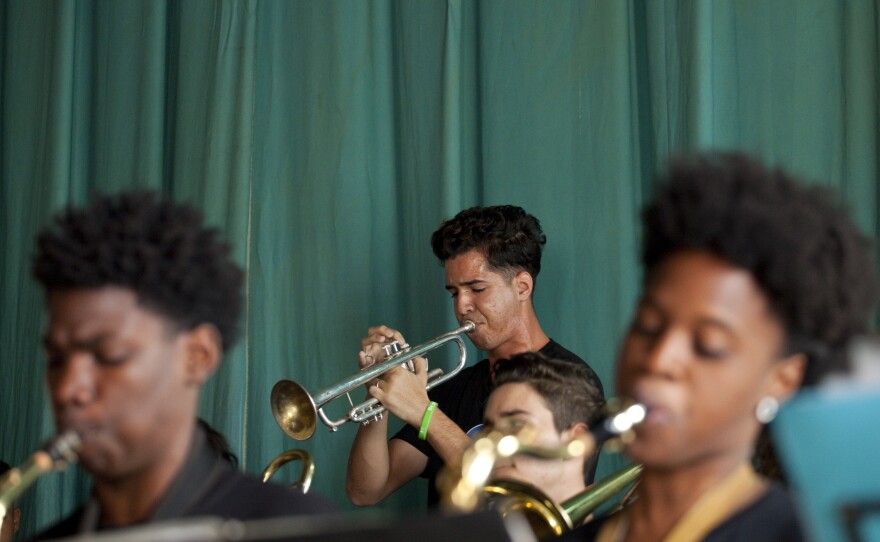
492	257
143	300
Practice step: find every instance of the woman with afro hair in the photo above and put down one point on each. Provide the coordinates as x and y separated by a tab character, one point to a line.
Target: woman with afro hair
754	285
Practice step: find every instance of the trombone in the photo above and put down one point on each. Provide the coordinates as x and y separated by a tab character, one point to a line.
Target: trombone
468	487
305	477
549	519
296	410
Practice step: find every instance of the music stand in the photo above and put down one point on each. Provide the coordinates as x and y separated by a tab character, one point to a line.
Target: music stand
485	526
829	440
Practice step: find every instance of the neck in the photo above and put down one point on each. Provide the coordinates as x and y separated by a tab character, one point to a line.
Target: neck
567	488
665	495
526	337
131	499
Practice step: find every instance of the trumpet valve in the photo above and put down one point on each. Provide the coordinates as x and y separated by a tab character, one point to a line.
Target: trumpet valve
391	348
379	416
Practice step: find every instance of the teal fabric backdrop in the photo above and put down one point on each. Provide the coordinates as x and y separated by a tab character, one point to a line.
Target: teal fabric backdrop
329	138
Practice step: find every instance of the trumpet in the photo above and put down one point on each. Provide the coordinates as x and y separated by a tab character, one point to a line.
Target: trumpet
54	455
308	468
296	410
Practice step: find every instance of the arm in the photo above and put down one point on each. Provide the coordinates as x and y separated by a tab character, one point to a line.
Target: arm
403	393
378	467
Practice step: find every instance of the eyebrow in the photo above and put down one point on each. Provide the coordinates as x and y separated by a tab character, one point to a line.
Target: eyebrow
508	413
648	301
465	283
94	342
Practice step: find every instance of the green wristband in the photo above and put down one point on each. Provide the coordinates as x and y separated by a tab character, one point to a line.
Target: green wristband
426	420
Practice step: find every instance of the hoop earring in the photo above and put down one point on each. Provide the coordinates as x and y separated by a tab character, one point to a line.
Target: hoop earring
766	410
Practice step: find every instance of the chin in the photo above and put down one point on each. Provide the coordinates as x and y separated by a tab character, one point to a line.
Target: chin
100	463
482	342
655	456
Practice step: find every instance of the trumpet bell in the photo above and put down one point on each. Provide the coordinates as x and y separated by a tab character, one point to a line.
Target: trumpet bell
294	410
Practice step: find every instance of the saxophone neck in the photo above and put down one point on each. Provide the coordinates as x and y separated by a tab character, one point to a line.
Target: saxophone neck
54	455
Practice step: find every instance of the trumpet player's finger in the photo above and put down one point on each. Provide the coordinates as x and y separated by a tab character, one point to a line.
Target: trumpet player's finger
365	359
420	365
381	335
372	386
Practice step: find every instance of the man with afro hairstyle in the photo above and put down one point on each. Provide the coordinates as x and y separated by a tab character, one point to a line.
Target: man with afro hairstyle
143	300
492	257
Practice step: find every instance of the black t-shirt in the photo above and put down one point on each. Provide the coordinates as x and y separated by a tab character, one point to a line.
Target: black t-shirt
463	399
771	518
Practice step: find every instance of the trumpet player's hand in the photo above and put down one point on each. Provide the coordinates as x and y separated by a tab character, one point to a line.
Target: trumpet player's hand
402	392
371	345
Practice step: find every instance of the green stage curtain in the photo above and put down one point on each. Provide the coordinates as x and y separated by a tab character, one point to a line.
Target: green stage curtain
329	138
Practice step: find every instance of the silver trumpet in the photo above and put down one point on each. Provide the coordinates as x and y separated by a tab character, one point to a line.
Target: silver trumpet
296	410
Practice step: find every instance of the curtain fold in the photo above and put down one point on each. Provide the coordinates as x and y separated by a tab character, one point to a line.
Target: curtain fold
328	139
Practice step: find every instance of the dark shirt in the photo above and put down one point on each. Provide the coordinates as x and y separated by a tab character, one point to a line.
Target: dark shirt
207	485
463	399
771	518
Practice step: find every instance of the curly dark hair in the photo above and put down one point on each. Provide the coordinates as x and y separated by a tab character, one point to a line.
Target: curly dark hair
510	239
815	267
151	245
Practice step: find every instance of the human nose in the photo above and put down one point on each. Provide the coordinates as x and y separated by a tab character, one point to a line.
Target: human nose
463	304
73	383
667	354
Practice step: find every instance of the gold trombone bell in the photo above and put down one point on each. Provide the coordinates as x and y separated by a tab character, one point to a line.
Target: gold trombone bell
306	475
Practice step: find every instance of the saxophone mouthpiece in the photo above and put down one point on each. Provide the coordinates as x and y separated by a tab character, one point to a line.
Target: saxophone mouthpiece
62	449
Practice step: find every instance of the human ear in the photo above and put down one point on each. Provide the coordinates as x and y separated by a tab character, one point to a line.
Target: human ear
786	376
524	284
575	431
203	353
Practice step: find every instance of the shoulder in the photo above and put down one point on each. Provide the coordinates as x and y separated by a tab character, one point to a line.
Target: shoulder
556	351
241	496
772	517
